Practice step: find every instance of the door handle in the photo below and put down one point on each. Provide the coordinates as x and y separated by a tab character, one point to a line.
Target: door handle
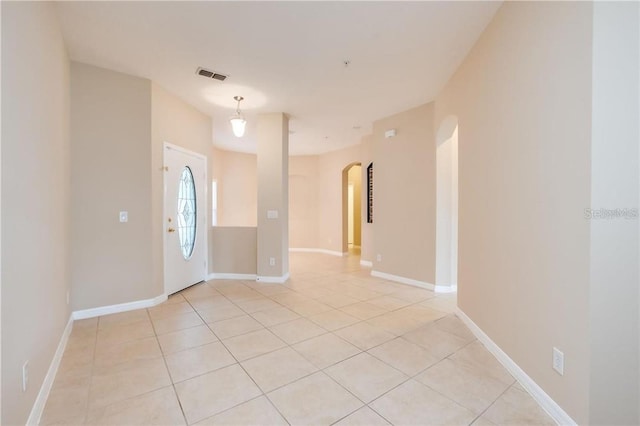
171	230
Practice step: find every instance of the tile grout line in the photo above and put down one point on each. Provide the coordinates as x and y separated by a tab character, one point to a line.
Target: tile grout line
493	402
319	370
288	345
245	371
93	362
166	366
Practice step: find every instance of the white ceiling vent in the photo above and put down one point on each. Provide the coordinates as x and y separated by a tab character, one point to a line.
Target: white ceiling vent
211	74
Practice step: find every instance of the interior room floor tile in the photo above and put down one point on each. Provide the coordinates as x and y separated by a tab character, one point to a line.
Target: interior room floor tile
413	403
404	356
278	368
193	362
364	335
186	339
253	344
332	345
326	350
258	411
212	393
330	401
363	417
516	407
366	376
154	408
297	330
467	384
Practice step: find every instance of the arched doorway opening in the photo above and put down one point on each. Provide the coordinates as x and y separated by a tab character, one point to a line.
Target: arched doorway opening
352	209
447	205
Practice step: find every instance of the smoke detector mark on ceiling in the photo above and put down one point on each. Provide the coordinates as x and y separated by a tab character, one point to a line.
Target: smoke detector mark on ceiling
211	74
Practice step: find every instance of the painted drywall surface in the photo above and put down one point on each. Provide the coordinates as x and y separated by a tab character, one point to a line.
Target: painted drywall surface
314	199
303	201
444	153
366	245
405	195
35	199
614	371
238	190
523	102
454	208
217	156
178	123
237	184
273	194
330	206
110	172
233	250
447	209
355	179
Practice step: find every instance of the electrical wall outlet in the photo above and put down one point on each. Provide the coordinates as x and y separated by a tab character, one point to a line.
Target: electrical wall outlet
25	376
379	258
272	261
558	361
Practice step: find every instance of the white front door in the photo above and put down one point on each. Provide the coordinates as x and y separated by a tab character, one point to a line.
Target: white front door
185	242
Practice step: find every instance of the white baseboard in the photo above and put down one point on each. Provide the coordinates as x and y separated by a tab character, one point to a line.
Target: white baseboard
122	307
366	263
539	395
403	280
275	280
445	288
318	250
225	276
45	389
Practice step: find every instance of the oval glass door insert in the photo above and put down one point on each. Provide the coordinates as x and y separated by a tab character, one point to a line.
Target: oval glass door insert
186	213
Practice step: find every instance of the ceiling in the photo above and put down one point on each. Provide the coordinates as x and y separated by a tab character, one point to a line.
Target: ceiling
283	56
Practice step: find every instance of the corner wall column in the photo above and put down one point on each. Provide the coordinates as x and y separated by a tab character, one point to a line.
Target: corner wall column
273	197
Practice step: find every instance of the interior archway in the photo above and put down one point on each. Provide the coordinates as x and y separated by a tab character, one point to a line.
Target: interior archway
447	205
352	208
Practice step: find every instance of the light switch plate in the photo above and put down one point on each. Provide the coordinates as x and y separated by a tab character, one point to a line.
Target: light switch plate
272	214
124	217
558	361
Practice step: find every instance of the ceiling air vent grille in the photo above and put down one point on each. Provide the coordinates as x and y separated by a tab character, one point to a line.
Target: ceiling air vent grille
211	74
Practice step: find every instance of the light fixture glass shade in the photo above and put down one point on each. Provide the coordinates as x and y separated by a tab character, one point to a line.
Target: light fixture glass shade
237	125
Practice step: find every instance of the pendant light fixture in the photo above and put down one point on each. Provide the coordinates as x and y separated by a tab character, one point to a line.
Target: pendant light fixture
238	122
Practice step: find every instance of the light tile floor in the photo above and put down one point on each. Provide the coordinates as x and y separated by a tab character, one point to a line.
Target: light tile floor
331	346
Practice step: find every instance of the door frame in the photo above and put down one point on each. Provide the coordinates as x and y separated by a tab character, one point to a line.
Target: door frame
169	146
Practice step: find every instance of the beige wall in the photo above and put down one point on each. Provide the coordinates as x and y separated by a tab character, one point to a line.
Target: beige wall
311	179
119	126
523	102
330	218
35	199
614	373
177	123
315	200
238	189
233	250
303	201
273	195
366	245
216	162
110	172
405	195
447	207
